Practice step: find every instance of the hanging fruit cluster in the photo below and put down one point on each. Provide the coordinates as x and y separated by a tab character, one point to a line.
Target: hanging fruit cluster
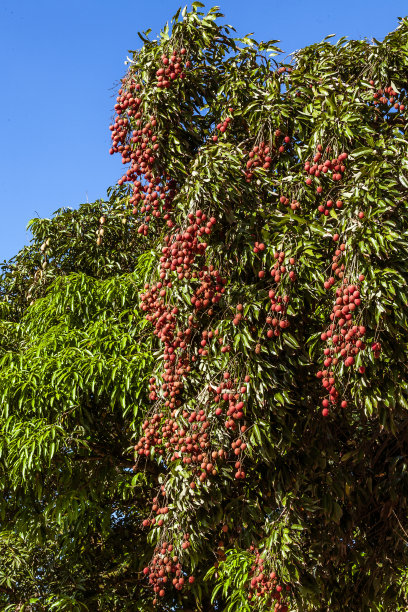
278	303
173	68
343	338
265	585
319	167
222	127
182	247
388	97
329	205
261	154
165	568
136	138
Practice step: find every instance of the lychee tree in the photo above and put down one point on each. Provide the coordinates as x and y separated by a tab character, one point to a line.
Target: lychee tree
243	350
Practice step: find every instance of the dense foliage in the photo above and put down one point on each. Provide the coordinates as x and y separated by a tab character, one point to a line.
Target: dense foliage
203	378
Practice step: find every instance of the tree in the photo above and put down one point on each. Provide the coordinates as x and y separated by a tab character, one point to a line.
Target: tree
204	397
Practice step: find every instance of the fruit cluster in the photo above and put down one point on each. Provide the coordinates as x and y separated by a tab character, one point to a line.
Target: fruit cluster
319	167
294	204
233	394
264	584
343	338
136	138
388	97
325	208
182	247
222	127
210	290
173	69
261	155
162	567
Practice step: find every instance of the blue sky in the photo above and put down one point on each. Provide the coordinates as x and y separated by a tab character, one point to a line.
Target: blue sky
59	65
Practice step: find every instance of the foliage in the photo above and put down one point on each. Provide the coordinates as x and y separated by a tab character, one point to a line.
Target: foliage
245	330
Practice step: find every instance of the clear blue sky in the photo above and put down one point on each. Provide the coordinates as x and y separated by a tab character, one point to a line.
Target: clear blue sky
60	60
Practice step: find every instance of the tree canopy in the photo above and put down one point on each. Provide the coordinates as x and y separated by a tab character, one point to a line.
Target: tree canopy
204	377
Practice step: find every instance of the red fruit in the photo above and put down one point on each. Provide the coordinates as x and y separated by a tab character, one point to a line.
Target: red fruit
344	404
361	369
361	215
308	181
261	274
325	412
336	237
191	579
361	277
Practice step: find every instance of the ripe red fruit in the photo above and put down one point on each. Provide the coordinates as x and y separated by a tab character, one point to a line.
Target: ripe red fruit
336	237
325	412
361	215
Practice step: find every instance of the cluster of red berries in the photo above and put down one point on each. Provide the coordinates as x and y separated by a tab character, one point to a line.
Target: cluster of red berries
162	567
294	204
389	97
264	584
337	266
318	167
261	155
139	147
210	290
233	394
278	322
167	437
325	208
343	338
376	348
283	69
182	247
279	270
173	69
127	105
222	127
208	336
